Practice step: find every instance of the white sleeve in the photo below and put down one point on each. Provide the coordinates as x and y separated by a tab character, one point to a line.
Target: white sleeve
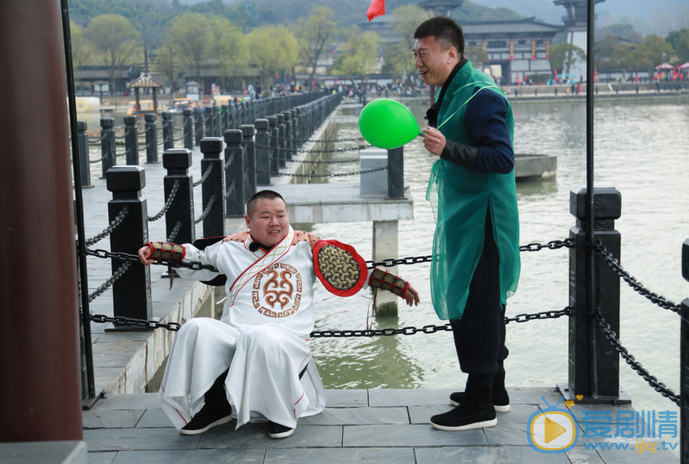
208	255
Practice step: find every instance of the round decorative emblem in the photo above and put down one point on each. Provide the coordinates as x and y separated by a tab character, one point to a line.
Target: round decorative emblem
277	291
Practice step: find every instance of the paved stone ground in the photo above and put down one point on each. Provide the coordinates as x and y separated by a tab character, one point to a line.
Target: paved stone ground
376	426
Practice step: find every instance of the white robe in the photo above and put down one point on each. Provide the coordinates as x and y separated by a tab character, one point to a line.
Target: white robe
263	337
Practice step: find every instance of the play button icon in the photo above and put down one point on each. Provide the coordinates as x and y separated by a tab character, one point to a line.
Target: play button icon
552	429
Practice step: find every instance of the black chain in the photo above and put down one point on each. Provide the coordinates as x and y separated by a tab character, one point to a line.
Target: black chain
97	141
334	150
168	203
552	245
118	273
636	366
633	283
353	160
99	253
359	139
391	262
102	318
174	231
228	163
519	318
98	160
231	189
321	175
429	329
205	211
108	230
205	175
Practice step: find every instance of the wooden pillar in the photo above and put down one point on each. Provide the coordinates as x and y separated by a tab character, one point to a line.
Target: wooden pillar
39	333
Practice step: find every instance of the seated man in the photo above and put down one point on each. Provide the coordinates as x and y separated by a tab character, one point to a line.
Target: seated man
257	358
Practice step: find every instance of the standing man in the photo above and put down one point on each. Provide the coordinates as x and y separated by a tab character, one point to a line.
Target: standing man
472	189
255	362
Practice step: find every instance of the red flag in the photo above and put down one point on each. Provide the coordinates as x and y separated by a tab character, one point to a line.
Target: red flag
595	74
377	8
555	75
518	77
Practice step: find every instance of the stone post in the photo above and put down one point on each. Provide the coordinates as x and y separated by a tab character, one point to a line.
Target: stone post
385	245
131	141
586	348
287	142
107	144
274	153
396	172
213	187
208	121
280	140
131	293
234	177
168	133
177	162
248	132
84	164
151	138
188	129
217	123
198	126
262	153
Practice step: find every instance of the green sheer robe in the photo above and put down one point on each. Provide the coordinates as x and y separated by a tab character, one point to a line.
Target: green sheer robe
460	198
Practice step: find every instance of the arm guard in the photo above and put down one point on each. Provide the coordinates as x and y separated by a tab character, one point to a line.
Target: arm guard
390	282
167	251
339	267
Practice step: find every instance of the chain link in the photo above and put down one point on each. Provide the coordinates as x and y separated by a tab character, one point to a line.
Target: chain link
205	175
636	366
97	141
100	253
174	232
205	211
334	150
429	329
552	245
168	203
519	318
321	175
633	283
102	318
353	160
108	230
391	262
359	139
231	189
118	273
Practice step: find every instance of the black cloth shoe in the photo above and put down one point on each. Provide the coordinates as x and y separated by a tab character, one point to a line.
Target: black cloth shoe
474	412
216	410
500	398
208	417
278	431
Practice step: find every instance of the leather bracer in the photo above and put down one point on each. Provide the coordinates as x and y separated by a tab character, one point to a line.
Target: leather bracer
166	251
390	282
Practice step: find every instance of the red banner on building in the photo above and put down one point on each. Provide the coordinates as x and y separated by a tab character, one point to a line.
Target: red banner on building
533	49
547	49
511	50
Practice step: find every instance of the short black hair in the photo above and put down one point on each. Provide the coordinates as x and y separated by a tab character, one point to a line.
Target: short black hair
445	30
261	195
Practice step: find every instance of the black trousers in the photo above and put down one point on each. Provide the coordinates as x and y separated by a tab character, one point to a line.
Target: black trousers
480	334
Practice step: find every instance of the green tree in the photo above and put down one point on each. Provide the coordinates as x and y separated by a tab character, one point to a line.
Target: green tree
189	40
477	56
81	48
653	51
680	42
610	52
226	48
399	60
563	56
314	33
273	50
116	43
168	64
358	56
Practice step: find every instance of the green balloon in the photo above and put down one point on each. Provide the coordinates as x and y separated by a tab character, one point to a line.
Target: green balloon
386	123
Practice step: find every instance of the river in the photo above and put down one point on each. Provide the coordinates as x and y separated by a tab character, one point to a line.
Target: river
640	149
